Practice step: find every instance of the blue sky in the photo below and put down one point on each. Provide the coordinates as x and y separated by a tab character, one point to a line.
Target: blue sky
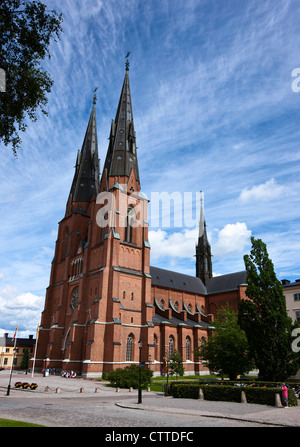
214	110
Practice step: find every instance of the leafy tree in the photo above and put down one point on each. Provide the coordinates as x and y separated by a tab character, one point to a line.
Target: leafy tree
26	28
175	364
227	350
25	359
264	318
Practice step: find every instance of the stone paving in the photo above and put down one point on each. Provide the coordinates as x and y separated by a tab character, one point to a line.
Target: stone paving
65	402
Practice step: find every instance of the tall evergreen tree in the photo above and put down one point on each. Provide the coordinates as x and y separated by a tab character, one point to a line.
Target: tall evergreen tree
264	318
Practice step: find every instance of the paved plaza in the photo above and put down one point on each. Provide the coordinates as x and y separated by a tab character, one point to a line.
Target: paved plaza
62	402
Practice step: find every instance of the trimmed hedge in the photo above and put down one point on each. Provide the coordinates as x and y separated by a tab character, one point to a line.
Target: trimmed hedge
229	393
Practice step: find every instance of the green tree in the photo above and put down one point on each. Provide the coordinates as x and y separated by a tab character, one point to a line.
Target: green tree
175	364
25	359
227	349
26	28
264	318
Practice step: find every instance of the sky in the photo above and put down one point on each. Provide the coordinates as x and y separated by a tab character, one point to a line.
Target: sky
216	107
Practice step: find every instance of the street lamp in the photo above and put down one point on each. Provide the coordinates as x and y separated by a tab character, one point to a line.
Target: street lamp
140	342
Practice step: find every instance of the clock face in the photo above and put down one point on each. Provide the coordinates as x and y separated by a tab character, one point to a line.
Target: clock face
74	299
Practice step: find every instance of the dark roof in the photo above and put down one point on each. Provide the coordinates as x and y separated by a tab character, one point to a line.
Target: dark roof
26	342
225	283
121	155
176	321
179	281
286	283
86	178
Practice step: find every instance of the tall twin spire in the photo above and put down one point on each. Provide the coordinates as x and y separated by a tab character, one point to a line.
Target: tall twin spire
121	155
86	179
120	160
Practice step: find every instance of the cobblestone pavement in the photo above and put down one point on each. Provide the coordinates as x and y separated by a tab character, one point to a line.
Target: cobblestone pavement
60	402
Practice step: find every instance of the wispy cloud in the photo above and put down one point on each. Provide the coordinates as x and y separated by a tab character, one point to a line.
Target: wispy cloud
213	110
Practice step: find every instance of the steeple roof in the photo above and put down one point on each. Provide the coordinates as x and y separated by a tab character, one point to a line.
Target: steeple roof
86	178
121	156
203	250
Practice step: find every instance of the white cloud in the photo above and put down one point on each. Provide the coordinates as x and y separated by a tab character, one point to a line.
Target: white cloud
174	245
264	192
23	309
233	238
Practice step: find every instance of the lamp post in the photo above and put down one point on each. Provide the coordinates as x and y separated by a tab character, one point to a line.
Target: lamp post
140	372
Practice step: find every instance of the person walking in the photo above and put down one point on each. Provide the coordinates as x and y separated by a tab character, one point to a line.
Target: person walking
285	399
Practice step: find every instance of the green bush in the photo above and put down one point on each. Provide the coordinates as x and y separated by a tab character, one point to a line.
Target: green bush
129	377
223	393
186	391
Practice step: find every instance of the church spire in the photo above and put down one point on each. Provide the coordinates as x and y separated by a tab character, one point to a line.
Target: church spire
203	250
121	156
86	178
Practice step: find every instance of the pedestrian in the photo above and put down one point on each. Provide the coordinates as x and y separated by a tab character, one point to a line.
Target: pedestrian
285	399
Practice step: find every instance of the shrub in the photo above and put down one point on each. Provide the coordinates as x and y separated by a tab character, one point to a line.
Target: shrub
229	393
129	377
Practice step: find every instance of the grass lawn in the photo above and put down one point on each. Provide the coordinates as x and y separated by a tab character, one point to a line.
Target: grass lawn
11	423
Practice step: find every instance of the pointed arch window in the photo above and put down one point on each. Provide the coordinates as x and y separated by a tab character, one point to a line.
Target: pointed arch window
130	217
171	345
188	348
155	347
129	346
67	243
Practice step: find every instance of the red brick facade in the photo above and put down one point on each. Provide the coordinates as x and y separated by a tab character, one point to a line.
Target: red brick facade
103	296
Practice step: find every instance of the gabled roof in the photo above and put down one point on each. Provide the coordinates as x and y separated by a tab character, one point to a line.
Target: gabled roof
177	281
224	283
186	283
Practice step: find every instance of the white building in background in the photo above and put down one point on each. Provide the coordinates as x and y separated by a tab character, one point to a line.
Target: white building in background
291	291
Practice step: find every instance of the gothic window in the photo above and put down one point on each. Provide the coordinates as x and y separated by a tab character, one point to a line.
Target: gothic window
131	296
74	298
129	348
161	304
66	242
155	347
128	224
190	308
176	306
188	348
171	345
124	295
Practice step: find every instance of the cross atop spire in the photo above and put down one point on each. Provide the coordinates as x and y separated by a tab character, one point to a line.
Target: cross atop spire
121	156
86	178
127	64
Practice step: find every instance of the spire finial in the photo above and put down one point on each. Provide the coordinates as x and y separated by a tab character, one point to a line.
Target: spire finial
95	96
127	60
201	222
